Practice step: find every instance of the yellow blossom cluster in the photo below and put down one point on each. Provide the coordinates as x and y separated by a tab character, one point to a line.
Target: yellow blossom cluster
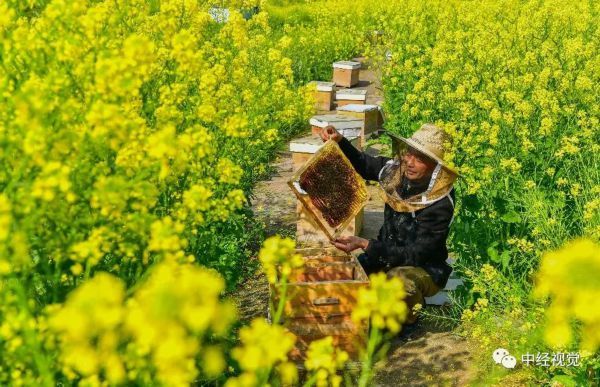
263	346
324	361
131	135
115	116
278	258
524	116
382	303
156	334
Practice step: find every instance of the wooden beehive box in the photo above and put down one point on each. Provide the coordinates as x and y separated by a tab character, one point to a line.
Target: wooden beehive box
308	232
346	73
324	95
348	127
350	96
371	115
320	299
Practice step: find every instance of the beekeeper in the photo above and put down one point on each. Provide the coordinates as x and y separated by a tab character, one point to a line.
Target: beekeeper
417	187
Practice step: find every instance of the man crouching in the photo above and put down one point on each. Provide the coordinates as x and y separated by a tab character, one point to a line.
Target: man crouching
417	187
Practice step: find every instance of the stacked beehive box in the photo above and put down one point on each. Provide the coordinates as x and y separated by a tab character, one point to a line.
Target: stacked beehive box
320	299
321	296
370	115
354	120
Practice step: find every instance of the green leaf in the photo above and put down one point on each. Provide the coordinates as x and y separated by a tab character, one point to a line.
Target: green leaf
505	259
493	253
511	217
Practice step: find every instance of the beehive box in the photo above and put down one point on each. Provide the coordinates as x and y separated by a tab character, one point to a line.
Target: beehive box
350	96
371	115
309	230
348	127
346	73
320	299
324	95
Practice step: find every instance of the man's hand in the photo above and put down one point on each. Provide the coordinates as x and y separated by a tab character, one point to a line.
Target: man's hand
329	132
350	243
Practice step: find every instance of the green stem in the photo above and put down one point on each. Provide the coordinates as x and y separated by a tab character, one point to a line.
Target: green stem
366	371
32	339
282	299
88	269
311	381
263	377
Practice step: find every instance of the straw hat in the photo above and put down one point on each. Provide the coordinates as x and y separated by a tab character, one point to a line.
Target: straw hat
429	140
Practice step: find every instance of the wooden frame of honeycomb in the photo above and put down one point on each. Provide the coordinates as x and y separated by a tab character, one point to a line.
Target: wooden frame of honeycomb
330	189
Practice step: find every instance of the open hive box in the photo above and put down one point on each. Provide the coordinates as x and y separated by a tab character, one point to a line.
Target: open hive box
322	295
320	299
330	189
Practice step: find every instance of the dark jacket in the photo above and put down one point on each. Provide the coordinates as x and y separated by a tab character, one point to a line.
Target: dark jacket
407	239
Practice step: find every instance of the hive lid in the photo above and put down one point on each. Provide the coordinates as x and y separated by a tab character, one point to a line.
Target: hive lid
323	86
358	108
330	189
346	64
311	144
219	14
347	126
339	121
351	94
308	144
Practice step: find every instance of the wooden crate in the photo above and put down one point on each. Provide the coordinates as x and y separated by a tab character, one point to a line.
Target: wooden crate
308	233
320	300
345	97
324	95
346	73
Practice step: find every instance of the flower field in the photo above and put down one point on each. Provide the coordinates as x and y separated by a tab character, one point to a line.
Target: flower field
133	133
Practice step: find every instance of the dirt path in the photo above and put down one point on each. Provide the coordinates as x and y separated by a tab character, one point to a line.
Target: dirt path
429	354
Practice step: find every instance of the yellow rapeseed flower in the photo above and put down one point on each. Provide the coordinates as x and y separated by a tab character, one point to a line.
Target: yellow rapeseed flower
278	256
382	303
324	360
569	276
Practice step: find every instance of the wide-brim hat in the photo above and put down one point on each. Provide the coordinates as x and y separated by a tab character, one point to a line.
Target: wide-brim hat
431	141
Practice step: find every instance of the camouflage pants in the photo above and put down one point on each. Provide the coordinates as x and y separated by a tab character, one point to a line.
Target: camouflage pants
418	284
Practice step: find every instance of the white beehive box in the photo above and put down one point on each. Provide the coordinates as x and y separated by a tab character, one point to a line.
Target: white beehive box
350	96
347	126
372	115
